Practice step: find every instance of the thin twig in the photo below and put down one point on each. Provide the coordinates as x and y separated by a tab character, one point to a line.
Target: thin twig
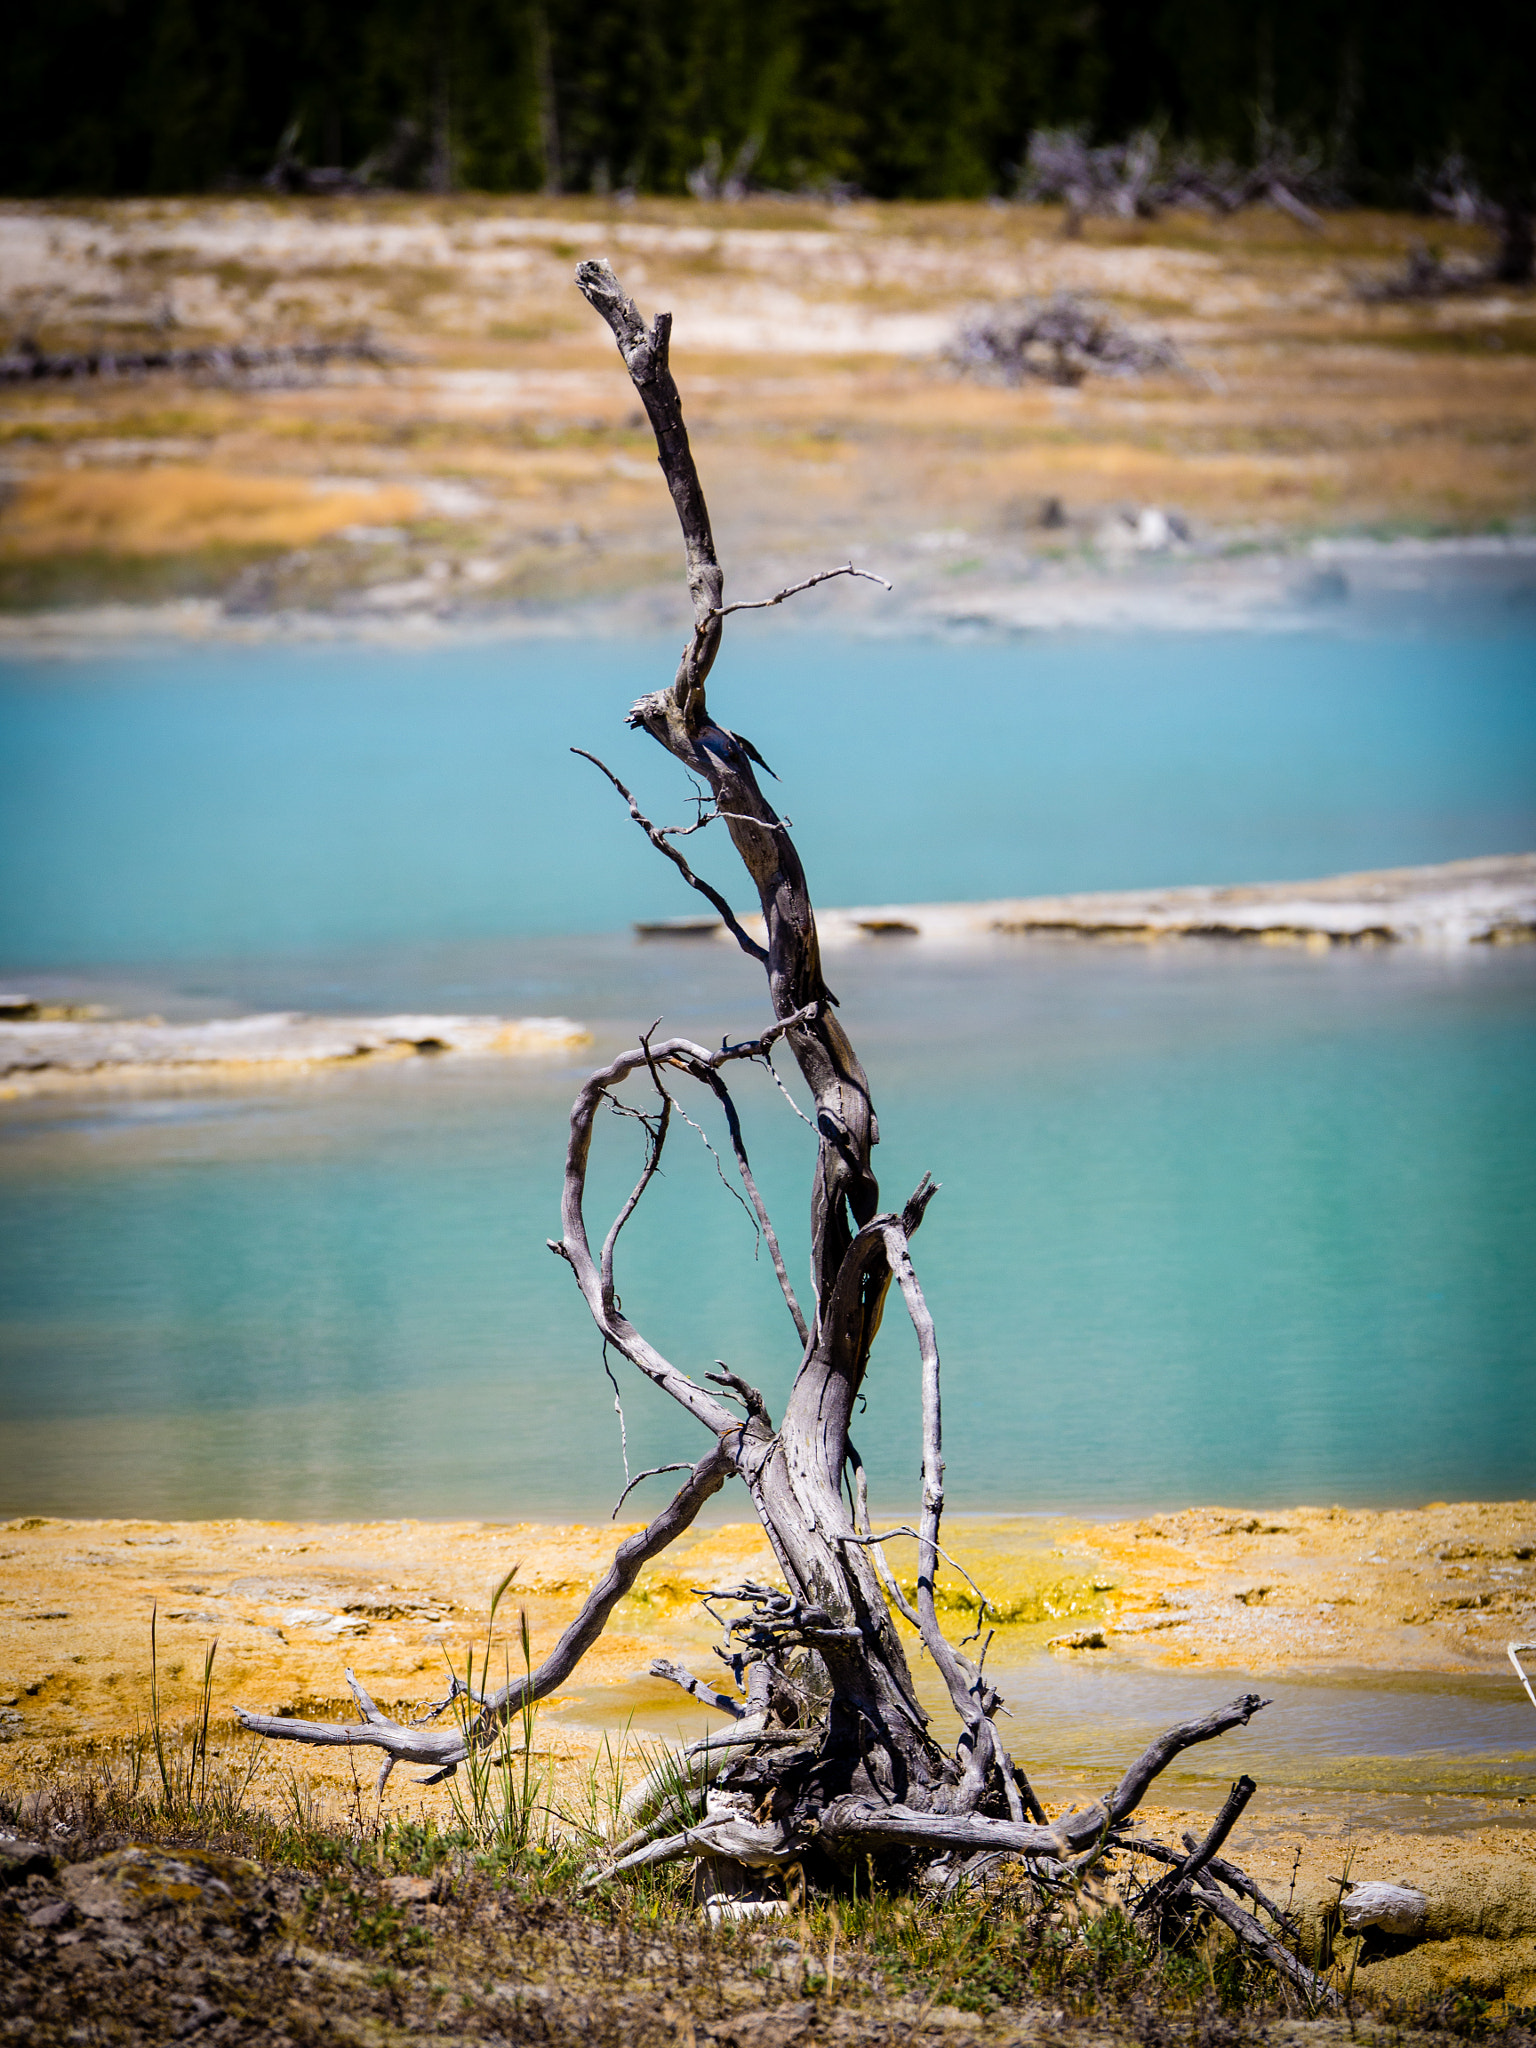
653	1473
763	604
652	832
656	1138
706	817
886	1536
1228	1873
744	1168
809	1122
618	1409
734	1193
451	1747
877	1556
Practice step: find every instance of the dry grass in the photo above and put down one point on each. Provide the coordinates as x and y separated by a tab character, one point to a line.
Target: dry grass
173	510
806	341
360	1931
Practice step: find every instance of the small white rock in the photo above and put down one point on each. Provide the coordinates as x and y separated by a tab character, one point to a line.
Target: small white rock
1394	1908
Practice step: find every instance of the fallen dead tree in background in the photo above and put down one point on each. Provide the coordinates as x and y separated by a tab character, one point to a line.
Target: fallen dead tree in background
1455	194
1425	274
28	364
1061	339
1142	177
830	1767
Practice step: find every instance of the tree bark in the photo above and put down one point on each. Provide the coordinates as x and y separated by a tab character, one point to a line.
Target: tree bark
795	1474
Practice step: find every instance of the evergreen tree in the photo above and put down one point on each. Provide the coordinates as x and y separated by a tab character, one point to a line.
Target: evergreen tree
899	98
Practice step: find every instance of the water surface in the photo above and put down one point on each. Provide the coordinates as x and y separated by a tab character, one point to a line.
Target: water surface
1217	1222
1347	1748
226	804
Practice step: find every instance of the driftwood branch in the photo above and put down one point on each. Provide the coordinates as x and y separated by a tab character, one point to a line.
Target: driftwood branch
446	1749
1060	340
1314	1989
1165	1903
1140	177
763	604
593	1276
701	1690
831	1762
1223	1872
1059	1841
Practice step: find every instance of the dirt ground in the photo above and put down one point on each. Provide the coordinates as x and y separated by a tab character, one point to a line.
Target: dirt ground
149	1942
499	462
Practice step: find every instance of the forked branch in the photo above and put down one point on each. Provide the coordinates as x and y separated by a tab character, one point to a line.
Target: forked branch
444	1749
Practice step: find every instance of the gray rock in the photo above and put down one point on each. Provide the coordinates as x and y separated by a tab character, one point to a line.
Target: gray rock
1394	1908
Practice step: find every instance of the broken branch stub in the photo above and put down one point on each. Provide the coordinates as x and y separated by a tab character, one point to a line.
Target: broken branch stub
831	1764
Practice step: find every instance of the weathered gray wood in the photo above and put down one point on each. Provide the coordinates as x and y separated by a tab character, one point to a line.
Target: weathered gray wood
795	1475
711	1696
445	1749
859	1821
1225	1873
1395	1908
832	1759
1316	1990
1165	1903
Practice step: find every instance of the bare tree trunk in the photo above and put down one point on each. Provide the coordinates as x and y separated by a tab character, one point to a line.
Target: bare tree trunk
877	1735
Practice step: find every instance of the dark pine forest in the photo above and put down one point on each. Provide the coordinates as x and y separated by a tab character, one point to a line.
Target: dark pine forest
894	98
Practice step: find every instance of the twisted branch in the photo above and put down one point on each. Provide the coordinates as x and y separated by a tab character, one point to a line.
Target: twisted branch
445	1749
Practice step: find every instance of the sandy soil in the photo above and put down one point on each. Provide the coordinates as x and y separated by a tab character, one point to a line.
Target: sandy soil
502	462
1441	1588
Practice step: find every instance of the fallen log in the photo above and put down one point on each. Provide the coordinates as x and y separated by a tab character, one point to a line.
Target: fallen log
30	365
1060	340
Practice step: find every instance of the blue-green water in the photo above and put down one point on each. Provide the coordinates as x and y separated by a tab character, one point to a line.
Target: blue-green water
1217	1223
225	805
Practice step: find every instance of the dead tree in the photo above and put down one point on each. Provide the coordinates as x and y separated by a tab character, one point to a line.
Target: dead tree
1143	176
1456	192
1060	340
290	362
831	1762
